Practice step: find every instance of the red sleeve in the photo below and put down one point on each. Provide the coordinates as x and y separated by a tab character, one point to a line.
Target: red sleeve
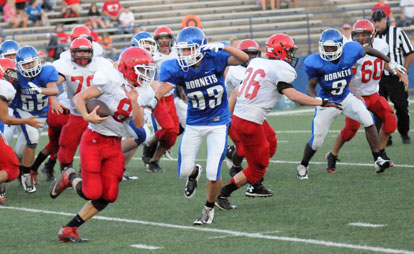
105	7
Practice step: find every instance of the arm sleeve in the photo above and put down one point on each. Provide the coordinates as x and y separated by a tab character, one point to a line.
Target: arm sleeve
169	74
283	85
221	58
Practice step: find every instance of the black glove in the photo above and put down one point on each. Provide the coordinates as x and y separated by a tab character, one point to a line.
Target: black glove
153	103
331	104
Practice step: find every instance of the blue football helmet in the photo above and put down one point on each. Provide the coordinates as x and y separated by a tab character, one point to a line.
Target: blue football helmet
330	38
26	55
188	46
144	40
9	49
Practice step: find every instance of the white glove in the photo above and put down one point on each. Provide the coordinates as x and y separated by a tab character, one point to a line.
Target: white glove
213	46
396	67
34	87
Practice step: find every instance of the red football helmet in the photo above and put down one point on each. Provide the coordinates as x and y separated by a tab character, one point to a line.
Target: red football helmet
363	26
250	46
81	44
282	47
81	31
164	31
137	66
8	70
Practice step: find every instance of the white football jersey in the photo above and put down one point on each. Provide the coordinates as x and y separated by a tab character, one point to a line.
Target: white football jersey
258	93
7	90
368	70
79	78
111	83
97	51
234	77
64	100
159	58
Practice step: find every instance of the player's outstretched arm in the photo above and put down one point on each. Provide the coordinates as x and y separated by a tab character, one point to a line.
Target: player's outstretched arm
10	120
395	67
301	98
312	87
79	101
238	57
163	89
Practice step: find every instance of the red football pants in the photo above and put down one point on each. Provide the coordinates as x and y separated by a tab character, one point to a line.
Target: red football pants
166	116
259	143
55	122
236	140
70	138
102	165
378	105
8	161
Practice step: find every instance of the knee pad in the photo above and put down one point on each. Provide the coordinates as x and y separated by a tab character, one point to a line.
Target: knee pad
253	176
31	146
100	204
79	191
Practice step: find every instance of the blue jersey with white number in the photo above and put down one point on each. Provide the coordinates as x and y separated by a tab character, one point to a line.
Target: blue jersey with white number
204	87
36	104
334	77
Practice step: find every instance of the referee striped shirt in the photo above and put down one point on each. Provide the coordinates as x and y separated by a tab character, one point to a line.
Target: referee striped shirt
398	42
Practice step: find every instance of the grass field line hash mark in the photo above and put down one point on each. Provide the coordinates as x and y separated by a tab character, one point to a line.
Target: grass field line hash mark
224	231
366	225
147	247
261	233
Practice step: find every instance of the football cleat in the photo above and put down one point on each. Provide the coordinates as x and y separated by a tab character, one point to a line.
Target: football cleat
302	172
258	190
192	181
381	165
229	155
61	182
126	177
148	153
2	193
47	170
207	216
385	157
331	162
224	204
33	175
154	167
27	183
70	234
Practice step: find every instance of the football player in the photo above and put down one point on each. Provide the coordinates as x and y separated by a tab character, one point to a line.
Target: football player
77	72
199	69
368	71
332	69
165	113
100	150
235	153
9	164
264	83
83	32
36	84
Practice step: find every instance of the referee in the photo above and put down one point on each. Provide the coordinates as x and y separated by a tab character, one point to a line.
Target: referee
402	52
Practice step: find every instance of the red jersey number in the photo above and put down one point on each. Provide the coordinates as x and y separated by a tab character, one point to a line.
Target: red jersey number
250	86
123	111
366	71
80	80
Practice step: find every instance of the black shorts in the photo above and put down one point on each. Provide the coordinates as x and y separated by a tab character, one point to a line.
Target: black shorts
21	6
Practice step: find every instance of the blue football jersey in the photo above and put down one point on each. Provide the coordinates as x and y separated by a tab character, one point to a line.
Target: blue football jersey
204	88
334	77
36	104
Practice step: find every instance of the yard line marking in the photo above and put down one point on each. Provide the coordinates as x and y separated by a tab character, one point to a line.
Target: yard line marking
147	247
367	225
297	162
225	236
225	231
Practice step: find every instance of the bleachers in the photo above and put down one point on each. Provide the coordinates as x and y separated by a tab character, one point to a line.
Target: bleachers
221	20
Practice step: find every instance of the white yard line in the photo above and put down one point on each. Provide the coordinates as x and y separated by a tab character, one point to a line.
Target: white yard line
147	247
366	225
224	231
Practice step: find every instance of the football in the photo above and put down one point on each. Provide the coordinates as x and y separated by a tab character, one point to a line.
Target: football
103	109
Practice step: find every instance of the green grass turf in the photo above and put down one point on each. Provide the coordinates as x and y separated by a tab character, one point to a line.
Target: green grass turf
319	208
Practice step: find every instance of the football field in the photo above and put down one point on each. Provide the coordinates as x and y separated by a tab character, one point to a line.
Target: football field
352	211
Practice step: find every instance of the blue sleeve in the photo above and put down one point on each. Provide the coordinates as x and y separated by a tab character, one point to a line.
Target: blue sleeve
352	51
51	74
170	72
221	59
28	10
310	67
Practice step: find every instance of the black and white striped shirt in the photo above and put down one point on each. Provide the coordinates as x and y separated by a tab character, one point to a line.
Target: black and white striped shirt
399	43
